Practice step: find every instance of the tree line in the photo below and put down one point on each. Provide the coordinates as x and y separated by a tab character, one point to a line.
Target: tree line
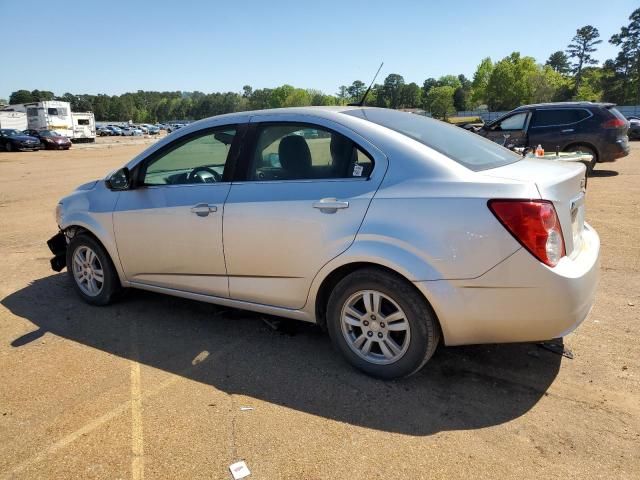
569	74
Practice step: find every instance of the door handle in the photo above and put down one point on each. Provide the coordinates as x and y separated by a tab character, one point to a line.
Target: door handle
203	209
331	204
567	130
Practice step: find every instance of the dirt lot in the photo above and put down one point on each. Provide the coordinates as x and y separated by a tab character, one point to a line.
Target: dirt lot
153	386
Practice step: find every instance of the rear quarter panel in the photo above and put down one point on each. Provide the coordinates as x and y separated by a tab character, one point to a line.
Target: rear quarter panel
440	229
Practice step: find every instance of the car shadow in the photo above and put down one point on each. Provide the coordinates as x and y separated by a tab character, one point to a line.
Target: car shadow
460	388
603	173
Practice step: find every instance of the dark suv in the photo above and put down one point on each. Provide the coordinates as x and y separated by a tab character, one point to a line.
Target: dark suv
595	128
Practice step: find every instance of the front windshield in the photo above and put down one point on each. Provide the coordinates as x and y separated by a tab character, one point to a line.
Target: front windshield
468	149
47	133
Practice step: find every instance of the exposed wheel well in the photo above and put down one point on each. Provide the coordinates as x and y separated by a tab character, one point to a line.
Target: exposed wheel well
583	144
73	230
328	284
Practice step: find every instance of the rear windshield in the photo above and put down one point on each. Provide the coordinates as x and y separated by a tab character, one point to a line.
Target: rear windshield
466	148
617	113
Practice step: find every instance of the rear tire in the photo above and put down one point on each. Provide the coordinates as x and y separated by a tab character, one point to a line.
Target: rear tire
8	147
91	270
381	324
584	149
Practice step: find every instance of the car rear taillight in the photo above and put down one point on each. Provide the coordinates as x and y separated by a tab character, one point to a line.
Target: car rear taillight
533	223
614	123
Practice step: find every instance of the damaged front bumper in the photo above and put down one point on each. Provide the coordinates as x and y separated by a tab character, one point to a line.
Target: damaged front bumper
58	246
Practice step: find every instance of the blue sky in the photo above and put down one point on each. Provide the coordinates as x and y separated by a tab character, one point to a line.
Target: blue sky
118	46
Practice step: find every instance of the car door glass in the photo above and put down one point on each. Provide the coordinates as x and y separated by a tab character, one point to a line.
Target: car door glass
199	159
291	151
514	122
553	117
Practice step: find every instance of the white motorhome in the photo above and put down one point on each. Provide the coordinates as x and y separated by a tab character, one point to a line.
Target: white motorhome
57	115
13	120
84	126
49	115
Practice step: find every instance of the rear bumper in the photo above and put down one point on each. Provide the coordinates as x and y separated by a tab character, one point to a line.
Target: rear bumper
519	300
614	150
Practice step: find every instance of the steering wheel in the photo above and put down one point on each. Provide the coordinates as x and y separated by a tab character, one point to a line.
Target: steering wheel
204	175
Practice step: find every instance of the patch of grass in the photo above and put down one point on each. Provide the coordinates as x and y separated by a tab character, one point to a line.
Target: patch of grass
459	120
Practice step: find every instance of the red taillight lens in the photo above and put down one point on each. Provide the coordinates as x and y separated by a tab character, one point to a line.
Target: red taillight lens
614	123
535	224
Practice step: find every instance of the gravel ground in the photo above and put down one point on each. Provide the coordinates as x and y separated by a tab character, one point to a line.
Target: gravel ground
153	386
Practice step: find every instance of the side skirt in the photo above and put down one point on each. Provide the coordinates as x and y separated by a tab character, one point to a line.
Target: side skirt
227	302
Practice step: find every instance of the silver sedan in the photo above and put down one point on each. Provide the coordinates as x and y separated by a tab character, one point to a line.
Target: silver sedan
393	231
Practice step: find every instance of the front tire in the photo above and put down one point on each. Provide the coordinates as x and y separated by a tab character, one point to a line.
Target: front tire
9	147
381	324
90	269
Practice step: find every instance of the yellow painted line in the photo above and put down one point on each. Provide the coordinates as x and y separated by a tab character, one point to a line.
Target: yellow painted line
60	444
92	425
137	439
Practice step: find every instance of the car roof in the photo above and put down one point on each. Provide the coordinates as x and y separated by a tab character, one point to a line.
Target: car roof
270	111
565	105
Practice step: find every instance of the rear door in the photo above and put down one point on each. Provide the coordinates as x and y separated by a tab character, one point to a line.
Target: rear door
510	131
303	195
556	128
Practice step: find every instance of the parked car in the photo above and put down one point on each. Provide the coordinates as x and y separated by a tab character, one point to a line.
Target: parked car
152	129
103	132
14	140
598	129
115	130
50	139
131	131
394	231
174	127
142	128
634	128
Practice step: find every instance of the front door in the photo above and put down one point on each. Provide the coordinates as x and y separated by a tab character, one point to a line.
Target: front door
510	132
169	229
305	195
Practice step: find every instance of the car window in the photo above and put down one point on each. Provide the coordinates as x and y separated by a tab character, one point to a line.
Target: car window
562	116
619	115
468	149
199	159
514	122
291	151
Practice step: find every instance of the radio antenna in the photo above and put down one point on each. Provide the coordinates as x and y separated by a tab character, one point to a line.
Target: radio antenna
364	97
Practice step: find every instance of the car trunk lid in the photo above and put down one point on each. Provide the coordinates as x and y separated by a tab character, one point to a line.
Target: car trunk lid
560	182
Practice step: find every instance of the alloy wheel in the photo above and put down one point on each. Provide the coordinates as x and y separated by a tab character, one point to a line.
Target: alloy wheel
87	271
375	327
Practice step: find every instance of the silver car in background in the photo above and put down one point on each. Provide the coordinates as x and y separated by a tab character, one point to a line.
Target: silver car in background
393	231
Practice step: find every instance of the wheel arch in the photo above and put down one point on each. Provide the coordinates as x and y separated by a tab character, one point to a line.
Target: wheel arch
329	282
81	228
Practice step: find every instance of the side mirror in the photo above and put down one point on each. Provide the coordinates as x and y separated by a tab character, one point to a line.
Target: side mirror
119	180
